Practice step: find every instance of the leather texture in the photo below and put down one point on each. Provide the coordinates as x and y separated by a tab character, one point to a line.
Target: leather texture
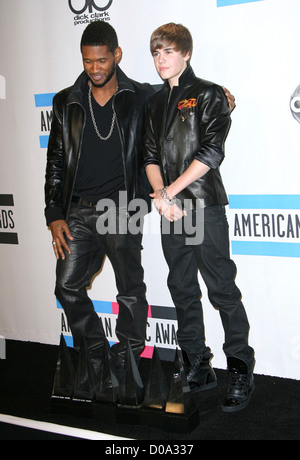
176	136
65	141
76	272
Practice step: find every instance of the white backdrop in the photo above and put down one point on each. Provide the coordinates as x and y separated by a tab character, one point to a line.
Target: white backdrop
251	47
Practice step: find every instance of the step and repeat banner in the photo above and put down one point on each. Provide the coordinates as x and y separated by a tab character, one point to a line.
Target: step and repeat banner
252	48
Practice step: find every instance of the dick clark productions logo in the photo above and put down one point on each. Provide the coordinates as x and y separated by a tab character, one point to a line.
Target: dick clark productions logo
89	4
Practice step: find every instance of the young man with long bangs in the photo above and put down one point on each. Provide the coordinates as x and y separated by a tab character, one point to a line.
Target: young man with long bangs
187	123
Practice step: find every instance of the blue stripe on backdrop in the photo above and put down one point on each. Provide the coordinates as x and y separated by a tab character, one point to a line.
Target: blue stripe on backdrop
44	100
234	2
262	248
264	201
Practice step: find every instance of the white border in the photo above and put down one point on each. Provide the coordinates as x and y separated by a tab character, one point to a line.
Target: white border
59	429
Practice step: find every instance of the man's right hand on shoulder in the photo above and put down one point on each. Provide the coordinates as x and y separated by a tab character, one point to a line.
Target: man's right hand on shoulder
60	229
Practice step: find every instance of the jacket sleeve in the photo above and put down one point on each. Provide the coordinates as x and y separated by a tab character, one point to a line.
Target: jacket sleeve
150	150
214	114
54	167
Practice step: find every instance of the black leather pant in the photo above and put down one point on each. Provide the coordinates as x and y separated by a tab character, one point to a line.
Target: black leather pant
212	259
75	274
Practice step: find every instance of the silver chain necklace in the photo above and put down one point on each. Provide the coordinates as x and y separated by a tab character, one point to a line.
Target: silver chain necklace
94	121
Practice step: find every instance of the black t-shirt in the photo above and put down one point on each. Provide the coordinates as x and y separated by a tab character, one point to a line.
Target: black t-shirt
100	170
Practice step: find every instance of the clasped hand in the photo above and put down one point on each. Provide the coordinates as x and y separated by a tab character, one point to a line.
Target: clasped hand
171	212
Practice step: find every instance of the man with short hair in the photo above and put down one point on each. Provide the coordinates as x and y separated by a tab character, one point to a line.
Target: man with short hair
187	123
95	153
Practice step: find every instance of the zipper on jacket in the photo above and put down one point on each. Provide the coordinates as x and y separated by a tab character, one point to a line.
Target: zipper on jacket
79	153
120	136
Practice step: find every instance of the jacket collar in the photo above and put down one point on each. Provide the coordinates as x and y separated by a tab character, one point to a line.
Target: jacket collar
185	80
170	105
77	90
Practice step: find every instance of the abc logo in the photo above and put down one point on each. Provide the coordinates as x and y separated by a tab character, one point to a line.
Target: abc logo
295	104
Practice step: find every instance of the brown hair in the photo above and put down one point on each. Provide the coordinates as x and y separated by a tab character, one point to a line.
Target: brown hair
172	34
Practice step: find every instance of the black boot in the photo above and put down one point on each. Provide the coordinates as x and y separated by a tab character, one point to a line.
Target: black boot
241	385
200	374
97	356
119	352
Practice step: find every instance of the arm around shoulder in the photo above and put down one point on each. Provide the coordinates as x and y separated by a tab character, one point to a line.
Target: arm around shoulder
214	125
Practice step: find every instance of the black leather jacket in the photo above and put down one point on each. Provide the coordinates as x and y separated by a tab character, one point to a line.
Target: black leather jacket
174	137
65	141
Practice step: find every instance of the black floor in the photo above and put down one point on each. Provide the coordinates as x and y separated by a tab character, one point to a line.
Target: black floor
26	378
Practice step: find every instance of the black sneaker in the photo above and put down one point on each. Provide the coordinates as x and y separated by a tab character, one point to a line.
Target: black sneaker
241	385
